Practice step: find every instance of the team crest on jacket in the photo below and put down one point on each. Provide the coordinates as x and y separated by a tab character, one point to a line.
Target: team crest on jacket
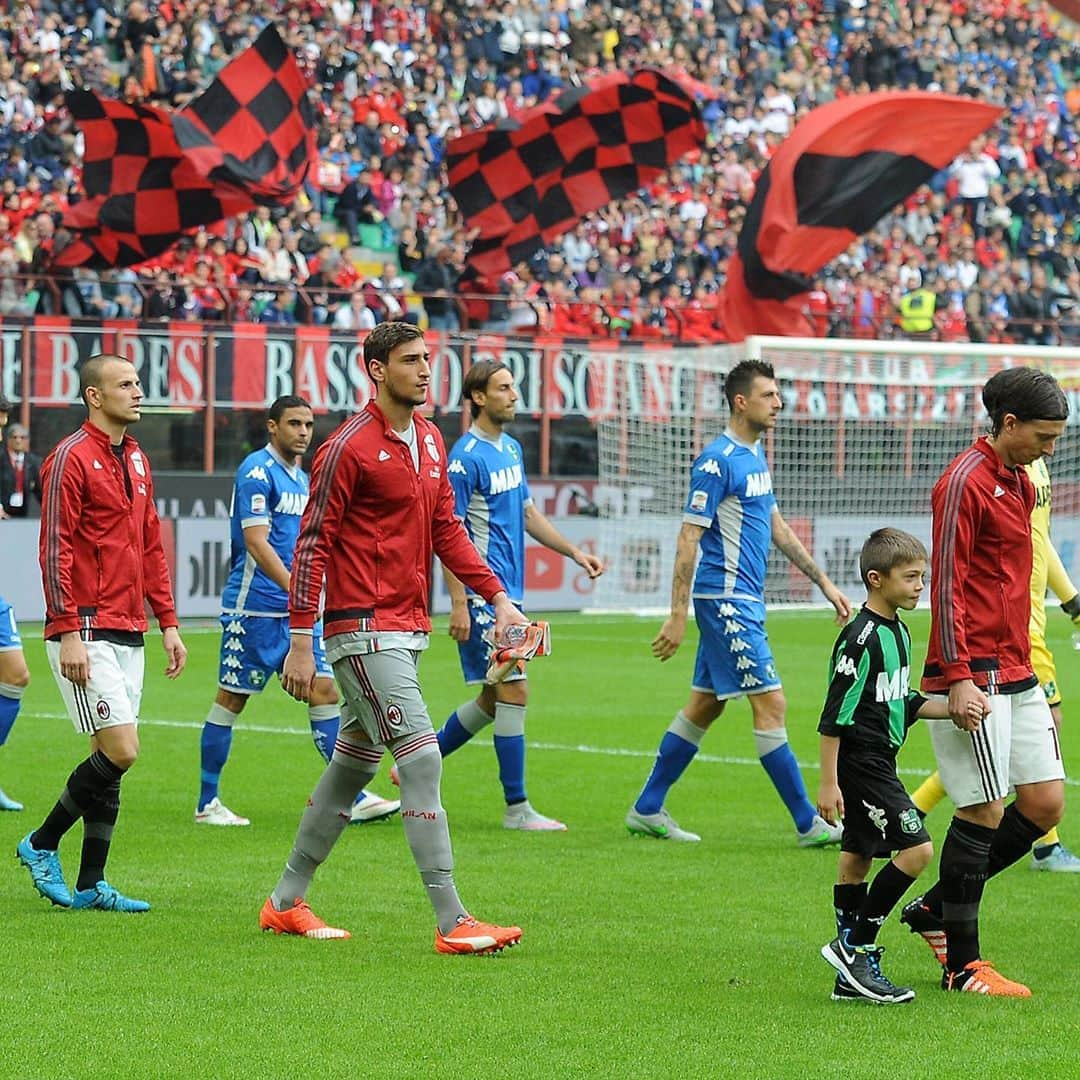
432	449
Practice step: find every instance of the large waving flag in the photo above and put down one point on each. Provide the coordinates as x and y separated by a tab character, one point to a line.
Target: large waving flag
524	183
841	169
150	176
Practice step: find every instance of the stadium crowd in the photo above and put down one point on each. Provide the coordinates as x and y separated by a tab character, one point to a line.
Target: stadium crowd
987	251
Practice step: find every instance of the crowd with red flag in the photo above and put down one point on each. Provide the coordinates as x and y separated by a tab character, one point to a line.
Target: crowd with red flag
986	245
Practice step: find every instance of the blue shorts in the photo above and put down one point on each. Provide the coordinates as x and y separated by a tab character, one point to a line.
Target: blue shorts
9	629
254	647
733	656
475	652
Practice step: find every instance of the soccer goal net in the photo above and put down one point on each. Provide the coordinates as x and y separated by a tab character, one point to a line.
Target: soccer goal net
866	430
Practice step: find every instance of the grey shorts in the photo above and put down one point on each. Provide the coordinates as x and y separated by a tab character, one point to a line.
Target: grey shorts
382	695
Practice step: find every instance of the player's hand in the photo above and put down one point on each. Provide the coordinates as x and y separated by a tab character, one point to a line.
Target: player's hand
74	662
830	803
298	671
505	615
667	642
841	604
967	705
593	565
460	622
175	650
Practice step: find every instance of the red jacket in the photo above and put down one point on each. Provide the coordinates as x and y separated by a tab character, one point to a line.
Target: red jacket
980	579
101	553
371	525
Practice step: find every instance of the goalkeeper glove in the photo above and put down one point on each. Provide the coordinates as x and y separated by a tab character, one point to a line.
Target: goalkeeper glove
1072	609
521	642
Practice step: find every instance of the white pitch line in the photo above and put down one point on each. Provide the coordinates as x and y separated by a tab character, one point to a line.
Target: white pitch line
580	748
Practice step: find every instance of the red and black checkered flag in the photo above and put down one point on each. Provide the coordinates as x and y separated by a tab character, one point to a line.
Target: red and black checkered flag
525	183
152	176
841	169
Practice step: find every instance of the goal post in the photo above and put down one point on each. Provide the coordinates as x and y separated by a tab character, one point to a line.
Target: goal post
867	428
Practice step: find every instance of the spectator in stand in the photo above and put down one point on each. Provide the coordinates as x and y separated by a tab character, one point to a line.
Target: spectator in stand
436	282
355	315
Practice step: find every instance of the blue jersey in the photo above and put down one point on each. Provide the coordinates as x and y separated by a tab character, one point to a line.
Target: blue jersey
490	496
267	492
731	496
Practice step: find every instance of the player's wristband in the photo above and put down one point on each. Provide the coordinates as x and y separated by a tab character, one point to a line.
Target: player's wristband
1072	607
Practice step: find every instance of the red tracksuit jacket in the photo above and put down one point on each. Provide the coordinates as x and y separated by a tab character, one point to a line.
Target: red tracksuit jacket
370	527
100	551
980	579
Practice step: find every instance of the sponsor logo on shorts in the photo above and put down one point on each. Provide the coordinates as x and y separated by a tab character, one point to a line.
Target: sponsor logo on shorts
102	709
909	821
877	816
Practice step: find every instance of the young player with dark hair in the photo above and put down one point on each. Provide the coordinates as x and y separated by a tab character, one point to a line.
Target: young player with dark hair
980	643
1048	852
381	504
102	560
491	495
732	516
868	710
269	496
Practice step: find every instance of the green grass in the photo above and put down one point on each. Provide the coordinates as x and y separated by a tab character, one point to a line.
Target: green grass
639	958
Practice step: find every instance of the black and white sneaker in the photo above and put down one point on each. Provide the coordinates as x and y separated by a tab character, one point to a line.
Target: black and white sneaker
861	966
843	990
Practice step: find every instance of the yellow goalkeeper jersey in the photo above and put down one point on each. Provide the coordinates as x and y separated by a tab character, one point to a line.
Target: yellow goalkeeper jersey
1046	567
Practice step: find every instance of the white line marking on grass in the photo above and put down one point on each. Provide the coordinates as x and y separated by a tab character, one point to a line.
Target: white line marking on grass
580	748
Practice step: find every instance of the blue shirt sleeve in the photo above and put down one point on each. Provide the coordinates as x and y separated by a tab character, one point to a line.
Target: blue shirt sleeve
251	503
709	479
464	472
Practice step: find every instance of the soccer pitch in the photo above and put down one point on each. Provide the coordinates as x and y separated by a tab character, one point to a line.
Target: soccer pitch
639	958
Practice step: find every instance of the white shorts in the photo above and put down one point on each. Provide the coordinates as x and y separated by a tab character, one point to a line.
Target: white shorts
112	693
1016	744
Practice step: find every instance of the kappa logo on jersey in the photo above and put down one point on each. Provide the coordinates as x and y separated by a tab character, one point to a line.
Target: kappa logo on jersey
737	645
891	687
234	626
727	610
711	467
231	678
876	816
758	483
733	626
505	479
232	661
429	445
743	663
257	472
749	681
291	502
846	666
457	467
699	500
233	645
383	455
258	504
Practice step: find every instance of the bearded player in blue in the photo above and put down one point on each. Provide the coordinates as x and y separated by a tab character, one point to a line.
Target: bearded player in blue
491	495
268	501
731	514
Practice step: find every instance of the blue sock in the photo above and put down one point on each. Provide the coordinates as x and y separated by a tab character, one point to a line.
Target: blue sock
675	753
510	750
9	709
325	721
779	762
461	726
215	745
